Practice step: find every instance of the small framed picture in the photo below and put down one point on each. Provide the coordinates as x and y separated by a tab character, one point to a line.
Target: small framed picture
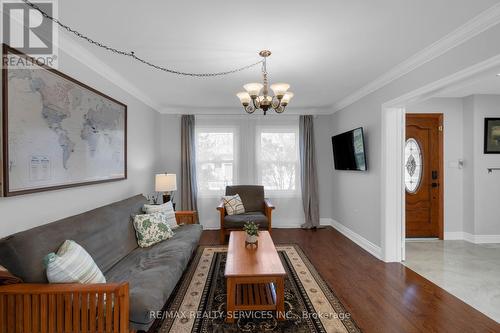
492	135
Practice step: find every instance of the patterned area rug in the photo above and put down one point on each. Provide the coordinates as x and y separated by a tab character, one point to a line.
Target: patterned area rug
200	301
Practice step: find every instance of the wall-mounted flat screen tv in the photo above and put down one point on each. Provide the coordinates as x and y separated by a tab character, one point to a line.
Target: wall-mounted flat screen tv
349	150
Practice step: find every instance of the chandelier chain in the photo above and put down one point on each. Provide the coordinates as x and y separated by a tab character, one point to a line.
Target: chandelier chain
131	54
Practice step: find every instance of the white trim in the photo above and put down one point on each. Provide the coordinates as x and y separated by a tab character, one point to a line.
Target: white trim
362	242
476	239
470	29
392	185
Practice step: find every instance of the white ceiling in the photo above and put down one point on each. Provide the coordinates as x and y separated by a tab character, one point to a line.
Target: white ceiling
324	49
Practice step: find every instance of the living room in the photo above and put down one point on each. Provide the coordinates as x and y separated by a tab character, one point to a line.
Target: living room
166	170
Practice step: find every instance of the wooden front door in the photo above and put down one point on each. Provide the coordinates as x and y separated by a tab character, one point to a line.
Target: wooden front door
423	171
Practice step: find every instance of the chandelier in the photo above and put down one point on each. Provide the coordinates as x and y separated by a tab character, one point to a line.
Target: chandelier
252	99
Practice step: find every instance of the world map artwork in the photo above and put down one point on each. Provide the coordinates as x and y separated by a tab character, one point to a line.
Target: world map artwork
60	132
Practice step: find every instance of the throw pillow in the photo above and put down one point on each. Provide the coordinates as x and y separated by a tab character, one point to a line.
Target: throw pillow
6	277
233	204
72	264
151	229
166	209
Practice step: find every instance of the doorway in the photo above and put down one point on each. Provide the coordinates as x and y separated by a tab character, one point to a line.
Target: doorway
423	176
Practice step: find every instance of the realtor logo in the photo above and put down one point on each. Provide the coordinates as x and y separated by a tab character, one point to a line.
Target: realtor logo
27	30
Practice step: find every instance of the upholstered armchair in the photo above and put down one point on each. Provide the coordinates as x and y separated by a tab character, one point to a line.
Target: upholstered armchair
257	209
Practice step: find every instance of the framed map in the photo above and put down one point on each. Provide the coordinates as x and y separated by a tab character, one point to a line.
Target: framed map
57	132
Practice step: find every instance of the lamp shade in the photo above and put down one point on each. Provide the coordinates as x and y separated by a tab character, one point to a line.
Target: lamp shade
165	182
244	97
287	97
280	89
253	89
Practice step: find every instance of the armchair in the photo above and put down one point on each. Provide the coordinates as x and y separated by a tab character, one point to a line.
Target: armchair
257	209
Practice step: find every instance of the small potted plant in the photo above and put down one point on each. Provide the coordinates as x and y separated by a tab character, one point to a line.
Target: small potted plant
252	233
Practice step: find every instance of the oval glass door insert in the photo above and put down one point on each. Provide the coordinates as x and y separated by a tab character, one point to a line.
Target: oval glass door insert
413	165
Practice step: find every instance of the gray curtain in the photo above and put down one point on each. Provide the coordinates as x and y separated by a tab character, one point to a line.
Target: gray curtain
308	174
189	190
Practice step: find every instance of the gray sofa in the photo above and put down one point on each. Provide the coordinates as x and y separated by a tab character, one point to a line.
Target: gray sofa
108	235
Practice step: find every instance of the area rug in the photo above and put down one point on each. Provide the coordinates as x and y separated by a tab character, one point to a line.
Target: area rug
199	302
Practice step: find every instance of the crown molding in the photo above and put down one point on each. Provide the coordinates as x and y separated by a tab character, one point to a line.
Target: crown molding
470	29
69	46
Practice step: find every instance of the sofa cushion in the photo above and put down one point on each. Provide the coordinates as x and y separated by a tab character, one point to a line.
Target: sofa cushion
153	272
106	233
72	264
251	195
151	229
237	221
166	209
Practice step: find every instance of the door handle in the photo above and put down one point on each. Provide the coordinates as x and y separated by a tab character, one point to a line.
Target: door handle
435	185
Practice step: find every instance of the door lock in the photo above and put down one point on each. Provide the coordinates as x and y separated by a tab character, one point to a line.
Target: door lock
435	184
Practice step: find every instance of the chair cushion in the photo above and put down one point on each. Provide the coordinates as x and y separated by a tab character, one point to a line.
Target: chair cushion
252	196
153	273
237	221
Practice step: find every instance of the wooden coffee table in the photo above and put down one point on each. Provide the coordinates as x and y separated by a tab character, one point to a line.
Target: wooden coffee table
255	277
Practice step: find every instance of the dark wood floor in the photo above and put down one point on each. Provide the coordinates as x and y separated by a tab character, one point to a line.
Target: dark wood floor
381	297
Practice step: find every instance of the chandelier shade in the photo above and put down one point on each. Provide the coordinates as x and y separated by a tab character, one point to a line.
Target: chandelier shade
257	95
253	89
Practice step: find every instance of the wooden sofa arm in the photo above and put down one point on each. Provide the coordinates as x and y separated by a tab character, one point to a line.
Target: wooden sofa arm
27	307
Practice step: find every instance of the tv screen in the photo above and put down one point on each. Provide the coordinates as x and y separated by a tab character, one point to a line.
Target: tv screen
349	150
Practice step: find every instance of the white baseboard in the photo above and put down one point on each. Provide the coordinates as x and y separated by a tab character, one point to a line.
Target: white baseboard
476	239
364	243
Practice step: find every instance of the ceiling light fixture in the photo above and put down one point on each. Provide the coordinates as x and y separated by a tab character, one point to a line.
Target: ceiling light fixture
252	99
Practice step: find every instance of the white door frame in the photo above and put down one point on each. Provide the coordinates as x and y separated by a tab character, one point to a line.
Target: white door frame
393	139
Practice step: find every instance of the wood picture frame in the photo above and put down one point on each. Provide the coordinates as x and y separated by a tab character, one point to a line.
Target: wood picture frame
121	155
492	135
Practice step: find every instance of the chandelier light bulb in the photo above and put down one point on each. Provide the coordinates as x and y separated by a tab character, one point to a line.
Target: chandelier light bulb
279	89
253	89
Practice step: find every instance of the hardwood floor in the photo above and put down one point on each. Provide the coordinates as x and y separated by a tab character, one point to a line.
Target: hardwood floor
381	297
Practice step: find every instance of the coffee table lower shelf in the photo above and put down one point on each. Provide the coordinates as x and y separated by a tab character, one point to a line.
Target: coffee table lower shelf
246	295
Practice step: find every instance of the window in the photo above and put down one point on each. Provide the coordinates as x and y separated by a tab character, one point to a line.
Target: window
278	159
413	165
215	159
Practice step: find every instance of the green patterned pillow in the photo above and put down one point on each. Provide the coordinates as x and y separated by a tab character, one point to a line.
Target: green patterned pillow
151	229
72	264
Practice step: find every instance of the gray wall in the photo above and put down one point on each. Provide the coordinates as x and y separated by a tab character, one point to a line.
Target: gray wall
324	163
452	110
357	196
485	203
27	211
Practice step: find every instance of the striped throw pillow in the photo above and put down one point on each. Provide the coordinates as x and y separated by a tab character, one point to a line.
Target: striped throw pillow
166	209
72	264
233	204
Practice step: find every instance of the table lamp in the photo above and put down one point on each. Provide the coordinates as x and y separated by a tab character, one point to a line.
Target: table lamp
166	183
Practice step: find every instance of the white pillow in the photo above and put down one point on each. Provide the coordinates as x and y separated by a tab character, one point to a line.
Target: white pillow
166	209
233	204
72	264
